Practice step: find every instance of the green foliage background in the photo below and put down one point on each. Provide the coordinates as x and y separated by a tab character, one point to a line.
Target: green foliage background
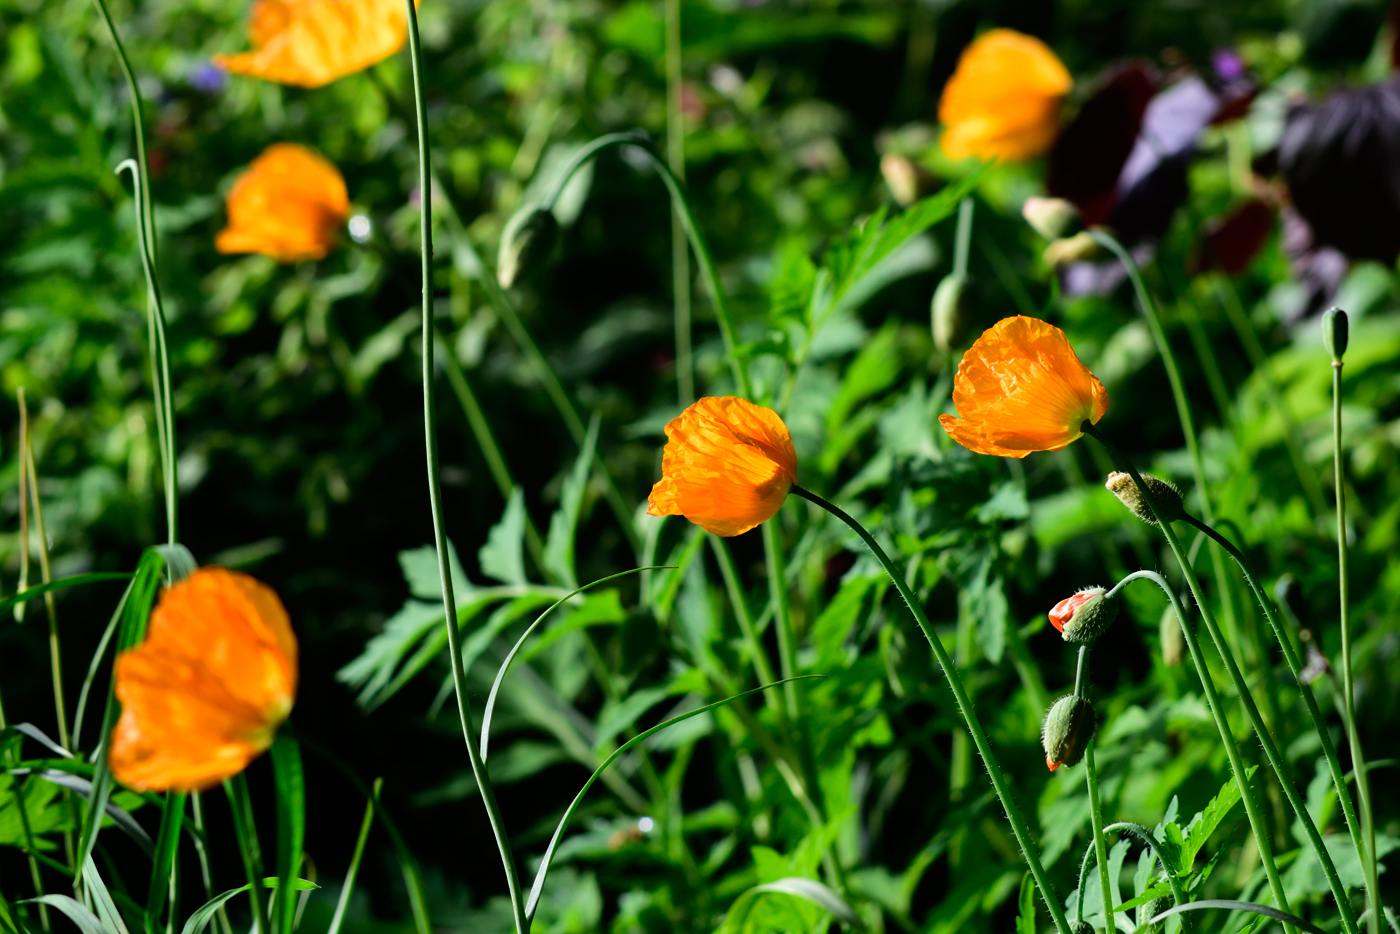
298	399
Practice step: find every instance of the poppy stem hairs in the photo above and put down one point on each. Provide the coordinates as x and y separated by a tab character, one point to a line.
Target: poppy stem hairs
969	715
454	647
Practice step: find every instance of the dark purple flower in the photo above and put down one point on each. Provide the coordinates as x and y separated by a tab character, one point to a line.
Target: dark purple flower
208	78
1227	64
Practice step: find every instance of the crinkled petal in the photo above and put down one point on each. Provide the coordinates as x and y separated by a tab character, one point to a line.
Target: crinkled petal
289	205
310	43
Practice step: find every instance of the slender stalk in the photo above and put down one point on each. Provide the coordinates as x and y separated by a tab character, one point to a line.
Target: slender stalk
348	888
245	835
963	239
205	872
449	604
969	715
1358	758
55	655
1100	844
23	504
761	666
675	157
30	850
1290	655
1081	671
1247	700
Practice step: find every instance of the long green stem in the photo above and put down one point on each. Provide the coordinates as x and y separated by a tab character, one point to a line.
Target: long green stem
245	835
1247	700
1100	844
1358	758
675	156
449	603
962	241
965	708
348	888
1290	655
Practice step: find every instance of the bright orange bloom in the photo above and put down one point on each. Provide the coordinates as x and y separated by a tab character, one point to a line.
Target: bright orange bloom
204	694
310	43
1020	388
727	467
1003	100
290	205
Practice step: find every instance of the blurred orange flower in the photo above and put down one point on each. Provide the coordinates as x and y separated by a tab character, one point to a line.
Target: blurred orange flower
727	467
204	694
1020	388
1003	100
290	205
310	43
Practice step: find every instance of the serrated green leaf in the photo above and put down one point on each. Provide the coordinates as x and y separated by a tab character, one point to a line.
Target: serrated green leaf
503	555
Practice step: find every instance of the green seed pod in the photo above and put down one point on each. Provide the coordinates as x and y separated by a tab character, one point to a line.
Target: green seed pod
1166	495
1052	218
527	239
1335	333
1150	909
1083	617
1173	645
1081	927
949	313
1068	728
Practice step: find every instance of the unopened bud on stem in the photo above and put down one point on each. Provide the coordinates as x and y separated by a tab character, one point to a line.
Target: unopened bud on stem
1170	634
1335	333
1165	495
1068	728
527	239
1052	218
1083	617
949	312
1151	909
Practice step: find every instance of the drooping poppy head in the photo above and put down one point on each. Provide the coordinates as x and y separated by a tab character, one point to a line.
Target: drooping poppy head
727	466
310	43
1020	388
204	694
1068	727
1003	100
1083	617
290	205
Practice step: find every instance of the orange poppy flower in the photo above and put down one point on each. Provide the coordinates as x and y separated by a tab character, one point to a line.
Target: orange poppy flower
290	205
310	43
1020	388
204	694
1003	100
727	466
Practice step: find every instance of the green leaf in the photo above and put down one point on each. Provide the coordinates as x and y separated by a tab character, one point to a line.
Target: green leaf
101	899
1205	822
87	922
167	851
38	590
1025	918
290	782
503	555
420	571
833	626
807	890
563	525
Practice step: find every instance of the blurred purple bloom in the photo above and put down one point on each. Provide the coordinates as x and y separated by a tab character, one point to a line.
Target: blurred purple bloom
1227	64
208	78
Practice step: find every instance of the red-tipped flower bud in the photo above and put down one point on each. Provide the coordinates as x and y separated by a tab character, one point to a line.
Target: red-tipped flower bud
1083	617
1068	728
1166	496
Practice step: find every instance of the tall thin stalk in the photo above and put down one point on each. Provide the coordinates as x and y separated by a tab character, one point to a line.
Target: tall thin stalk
965	708
675	157
449	603
1100	843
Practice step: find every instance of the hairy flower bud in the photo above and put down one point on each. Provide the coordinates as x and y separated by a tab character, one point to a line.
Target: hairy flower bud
1068	728
1081	927
1335	332
1081	246
1172	642
1052	218
527	239
1083	617
1164	494
949	313
1149	910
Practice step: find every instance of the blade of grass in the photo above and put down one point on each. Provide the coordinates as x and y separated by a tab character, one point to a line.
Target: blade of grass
290	781
163	863
348	888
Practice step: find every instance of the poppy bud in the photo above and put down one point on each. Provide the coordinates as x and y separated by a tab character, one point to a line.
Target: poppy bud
1151	909
1068	728
1335	333
527	239
949	312
1052	218
1081	246
1083	617
1164	494
906	180
1081	927
1170	634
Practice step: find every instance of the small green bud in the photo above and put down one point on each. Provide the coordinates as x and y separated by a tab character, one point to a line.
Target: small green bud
1081	246
907	180
1170	634
1052	218
1335	332
1151	909
1083	617
949	313
1081	927
527	239
1068	728
1165	494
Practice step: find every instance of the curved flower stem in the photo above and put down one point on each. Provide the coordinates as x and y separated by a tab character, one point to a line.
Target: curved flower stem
969	715
1100	844
1145	835
1251	710
1183	411
682	208
449	605
146	215
1290	655
1358	758
1081	671
675	156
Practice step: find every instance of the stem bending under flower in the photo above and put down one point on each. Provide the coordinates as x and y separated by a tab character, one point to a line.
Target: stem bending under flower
964	701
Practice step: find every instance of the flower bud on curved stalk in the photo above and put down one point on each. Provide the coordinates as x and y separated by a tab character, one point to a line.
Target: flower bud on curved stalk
1052	218
1068	728
527	239
1165	494
1083	617
949	312
1151	909
1170	634
1082	927
1335	333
